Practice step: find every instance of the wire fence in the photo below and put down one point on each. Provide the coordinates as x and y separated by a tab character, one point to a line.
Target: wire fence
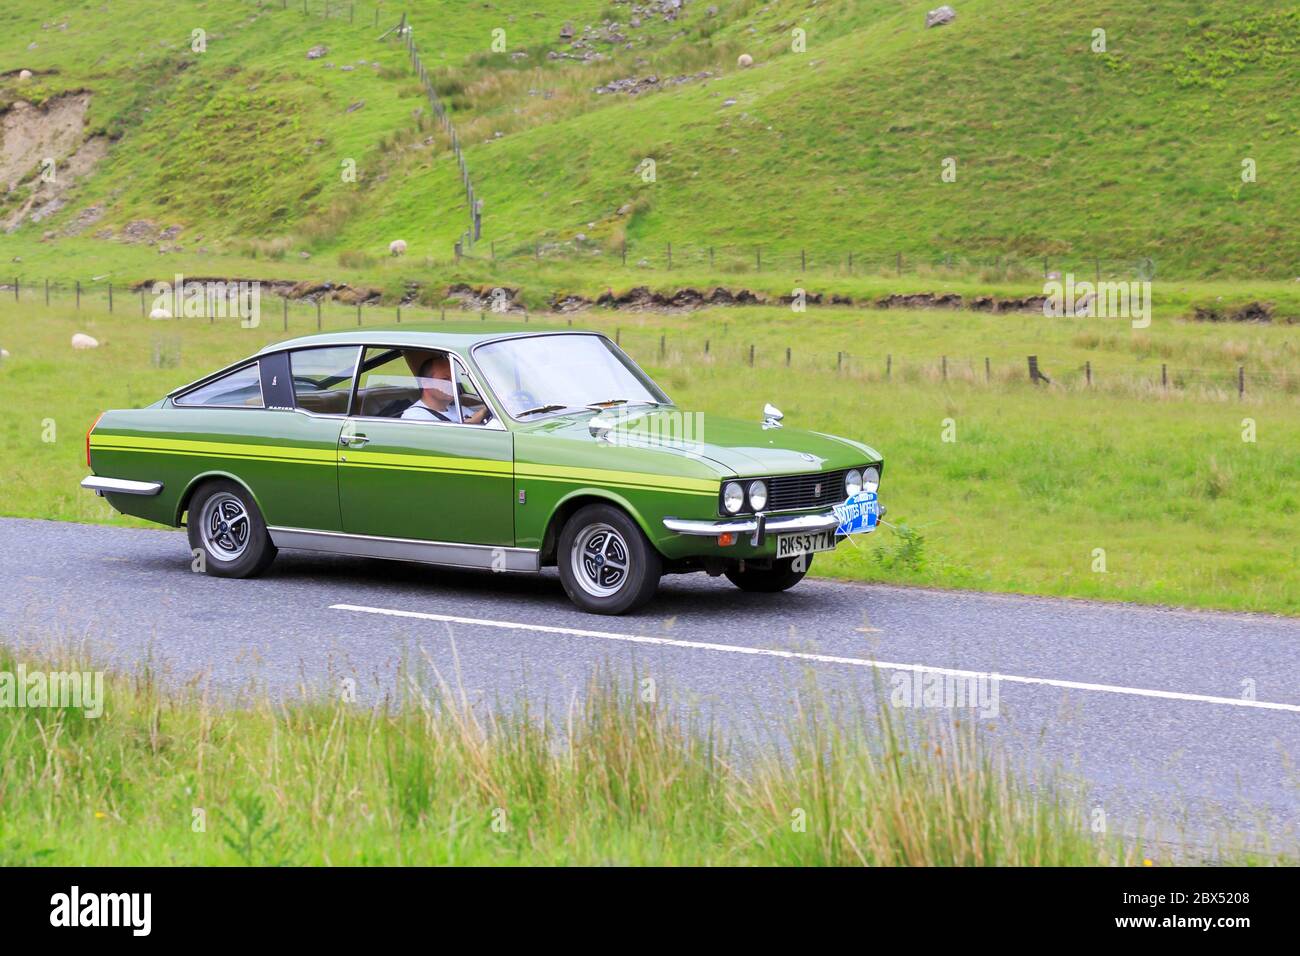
682	346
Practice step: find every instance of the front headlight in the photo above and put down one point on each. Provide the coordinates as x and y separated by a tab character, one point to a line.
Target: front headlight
733	497
871	478
757	495
852	483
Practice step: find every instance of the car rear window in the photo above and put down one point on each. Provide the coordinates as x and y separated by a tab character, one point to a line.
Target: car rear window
241	388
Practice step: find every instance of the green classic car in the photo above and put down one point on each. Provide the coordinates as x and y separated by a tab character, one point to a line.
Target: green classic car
480	447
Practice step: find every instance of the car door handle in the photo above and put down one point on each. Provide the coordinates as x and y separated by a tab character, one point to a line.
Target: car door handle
353	441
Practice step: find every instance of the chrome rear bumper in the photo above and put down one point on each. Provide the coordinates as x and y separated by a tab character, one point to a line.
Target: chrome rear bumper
120	486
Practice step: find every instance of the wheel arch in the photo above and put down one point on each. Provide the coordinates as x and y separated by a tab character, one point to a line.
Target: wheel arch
567	506
197	481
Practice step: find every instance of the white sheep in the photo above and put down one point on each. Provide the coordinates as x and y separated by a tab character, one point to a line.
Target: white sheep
397	247
83	341
744	60
160	314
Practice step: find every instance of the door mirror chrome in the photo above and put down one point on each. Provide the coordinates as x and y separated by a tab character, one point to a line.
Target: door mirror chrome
772	416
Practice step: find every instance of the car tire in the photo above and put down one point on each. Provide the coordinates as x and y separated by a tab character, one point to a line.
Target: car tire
227	532
606	564
781	576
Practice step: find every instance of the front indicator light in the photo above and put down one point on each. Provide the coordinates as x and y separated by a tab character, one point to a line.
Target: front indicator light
726	539
733	497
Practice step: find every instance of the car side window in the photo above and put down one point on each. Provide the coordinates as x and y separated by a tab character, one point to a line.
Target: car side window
389	383
322	378
473	408
241	388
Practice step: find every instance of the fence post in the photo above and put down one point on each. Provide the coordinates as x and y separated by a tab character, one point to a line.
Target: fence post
670	255
944	363
47	292
787	356
284	309
839	361
706	346
850	262
1035	373
618	335
988	370
1087	372
399	313
758	258
710	257
889	367
1164	375
1241	381
751	355
78	293
898	262
110	297
662	344
625	251
358	313
318	315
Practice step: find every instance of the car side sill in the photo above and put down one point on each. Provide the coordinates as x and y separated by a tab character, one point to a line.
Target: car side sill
484	556
121	486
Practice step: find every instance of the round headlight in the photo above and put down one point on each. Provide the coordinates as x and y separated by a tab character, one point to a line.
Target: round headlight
757	495
871	478
733	497
852	482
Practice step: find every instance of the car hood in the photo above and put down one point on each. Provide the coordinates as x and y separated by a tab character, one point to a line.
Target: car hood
733	446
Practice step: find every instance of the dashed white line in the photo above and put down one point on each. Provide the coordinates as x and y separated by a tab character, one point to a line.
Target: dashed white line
818	658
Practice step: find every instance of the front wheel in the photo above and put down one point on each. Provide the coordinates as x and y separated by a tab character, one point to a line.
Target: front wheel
606	564
228	536
784	574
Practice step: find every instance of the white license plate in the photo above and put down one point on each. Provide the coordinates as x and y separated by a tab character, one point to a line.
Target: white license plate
791	545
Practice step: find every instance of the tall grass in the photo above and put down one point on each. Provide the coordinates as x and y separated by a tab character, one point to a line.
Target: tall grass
426	777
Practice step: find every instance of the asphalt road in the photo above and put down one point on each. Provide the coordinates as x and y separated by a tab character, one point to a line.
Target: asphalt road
1149	709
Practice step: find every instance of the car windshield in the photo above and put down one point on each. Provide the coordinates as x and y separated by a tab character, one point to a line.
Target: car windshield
541	375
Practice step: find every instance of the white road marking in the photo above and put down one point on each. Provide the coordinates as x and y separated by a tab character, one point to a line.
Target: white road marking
818	658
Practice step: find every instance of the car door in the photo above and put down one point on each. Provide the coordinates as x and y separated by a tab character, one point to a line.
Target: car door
429	477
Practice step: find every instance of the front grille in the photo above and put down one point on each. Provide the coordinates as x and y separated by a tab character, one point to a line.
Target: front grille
794	492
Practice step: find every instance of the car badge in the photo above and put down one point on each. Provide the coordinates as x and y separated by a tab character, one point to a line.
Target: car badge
806	457
817	490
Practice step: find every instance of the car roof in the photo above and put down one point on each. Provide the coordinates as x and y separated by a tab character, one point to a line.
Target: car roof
453	335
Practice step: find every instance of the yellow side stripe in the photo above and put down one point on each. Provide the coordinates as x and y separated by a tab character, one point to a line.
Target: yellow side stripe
561	473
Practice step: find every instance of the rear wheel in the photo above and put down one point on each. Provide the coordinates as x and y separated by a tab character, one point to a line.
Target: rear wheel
784	574
606	564
226	529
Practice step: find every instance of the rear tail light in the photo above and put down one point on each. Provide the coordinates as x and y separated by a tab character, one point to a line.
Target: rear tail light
88	431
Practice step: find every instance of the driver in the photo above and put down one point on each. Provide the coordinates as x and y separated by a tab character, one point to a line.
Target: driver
436	402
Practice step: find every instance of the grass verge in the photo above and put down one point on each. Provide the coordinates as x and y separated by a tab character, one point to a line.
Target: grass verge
174	778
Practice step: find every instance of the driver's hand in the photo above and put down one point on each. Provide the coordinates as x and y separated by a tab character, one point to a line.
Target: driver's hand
479	417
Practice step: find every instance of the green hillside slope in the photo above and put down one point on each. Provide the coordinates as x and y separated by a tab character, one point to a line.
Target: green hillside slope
1128	154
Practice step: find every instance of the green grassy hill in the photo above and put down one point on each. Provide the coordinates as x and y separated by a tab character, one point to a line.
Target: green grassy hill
1059	150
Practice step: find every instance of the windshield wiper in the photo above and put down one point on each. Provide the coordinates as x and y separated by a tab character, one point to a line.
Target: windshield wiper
622	401
539	409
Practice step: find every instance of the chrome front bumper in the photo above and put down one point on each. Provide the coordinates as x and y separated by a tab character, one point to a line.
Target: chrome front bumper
120	486
757	526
